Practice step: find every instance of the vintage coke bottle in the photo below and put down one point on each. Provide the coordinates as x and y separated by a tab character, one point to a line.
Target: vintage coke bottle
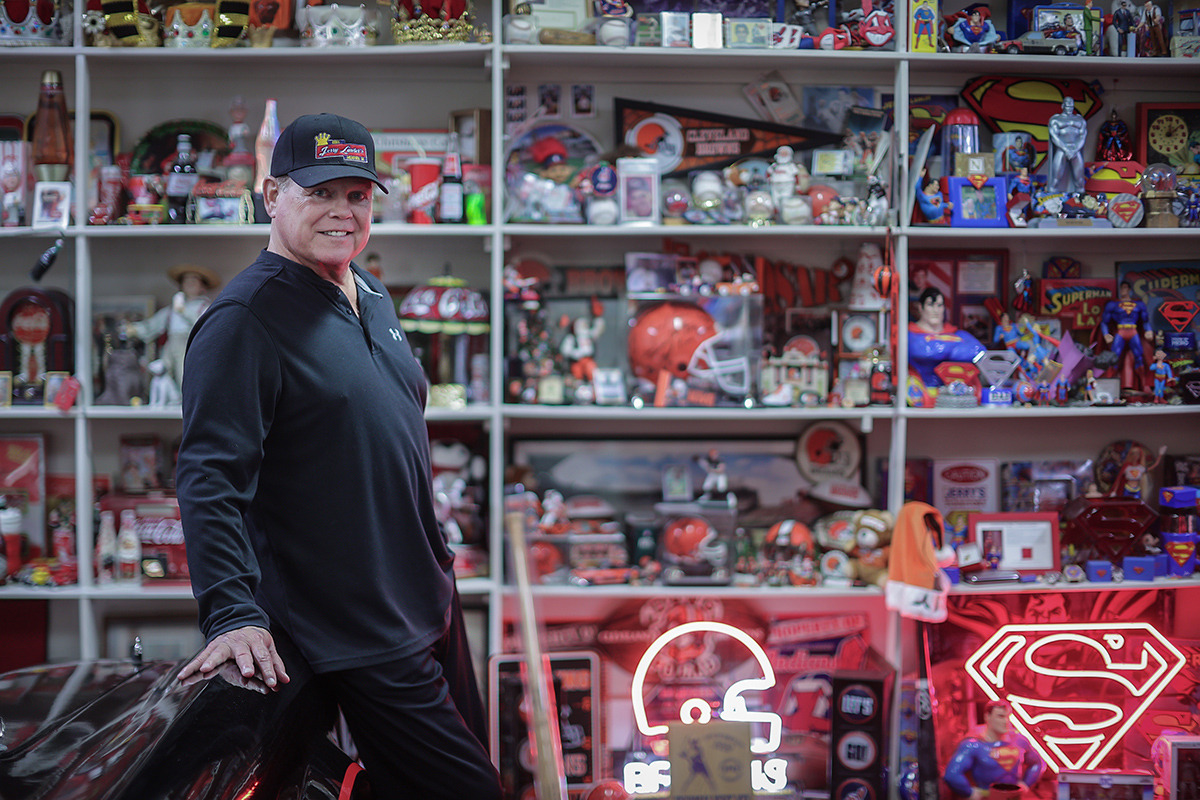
106	548
53	150
129	549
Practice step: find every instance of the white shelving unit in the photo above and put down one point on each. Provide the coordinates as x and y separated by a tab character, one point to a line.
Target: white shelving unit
417	87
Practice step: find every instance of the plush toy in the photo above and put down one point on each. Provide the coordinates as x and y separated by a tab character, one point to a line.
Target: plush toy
872	544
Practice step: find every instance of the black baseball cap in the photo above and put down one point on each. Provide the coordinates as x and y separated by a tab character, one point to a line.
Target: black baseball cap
321	147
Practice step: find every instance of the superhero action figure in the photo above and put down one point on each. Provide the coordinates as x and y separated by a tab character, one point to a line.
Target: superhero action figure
931	341
1119	324
1160	370
994	755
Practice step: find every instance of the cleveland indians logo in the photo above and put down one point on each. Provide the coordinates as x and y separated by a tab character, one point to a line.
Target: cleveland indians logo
1075	689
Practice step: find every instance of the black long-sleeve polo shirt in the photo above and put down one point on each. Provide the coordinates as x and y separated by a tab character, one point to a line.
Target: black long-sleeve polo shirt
304	477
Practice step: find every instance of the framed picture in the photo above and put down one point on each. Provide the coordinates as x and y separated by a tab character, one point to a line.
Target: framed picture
676	29
972	281
748	33
52	204
54	382
1026	542
569	15
6	389
1167	133
638	191
978	204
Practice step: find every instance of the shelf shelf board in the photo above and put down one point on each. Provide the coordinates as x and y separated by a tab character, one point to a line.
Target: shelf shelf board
919	233
723	231
689	413
929	67
655	590
36	412
1081	412
432	55
1082	586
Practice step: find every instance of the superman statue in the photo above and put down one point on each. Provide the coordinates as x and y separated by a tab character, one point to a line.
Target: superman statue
996	755
1120	323
931	341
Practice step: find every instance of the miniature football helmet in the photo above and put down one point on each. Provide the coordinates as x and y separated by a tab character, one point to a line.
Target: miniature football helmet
721	649
788	539
692	540
682	339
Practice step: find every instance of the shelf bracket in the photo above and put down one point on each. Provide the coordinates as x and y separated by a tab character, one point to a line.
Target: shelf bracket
866	424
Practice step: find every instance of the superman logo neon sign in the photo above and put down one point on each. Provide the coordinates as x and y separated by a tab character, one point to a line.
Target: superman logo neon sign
1075	689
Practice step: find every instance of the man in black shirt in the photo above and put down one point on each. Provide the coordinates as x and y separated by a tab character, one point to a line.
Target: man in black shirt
305	488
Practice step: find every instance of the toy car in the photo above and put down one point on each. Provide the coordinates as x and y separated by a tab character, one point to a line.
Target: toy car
121	730
1052	41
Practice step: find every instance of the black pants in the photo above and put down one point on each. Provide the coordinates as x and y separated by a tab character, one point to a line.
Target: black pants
418	722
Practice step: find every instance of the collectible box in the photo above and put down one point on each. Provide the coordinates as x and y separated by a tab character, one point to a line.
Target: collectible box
1110	783
1043	485
1177	764
1078	304
164	557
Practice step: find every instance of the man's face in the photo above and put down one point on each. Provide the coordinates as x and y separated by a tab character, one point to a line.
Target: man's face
322	227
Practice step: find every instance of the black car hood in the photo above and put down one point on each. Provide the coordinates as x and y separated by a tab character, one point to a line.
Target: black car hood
110	730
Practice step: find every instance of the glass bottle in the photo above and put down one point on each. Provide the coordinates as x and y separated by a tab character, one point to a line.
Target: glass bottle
129	549
53	149
106	548
450	196
264	144
182	177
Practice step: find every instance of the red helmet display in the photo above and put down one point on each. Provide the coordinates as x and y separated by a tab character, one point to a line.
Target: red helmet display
686	537
787	539
682	340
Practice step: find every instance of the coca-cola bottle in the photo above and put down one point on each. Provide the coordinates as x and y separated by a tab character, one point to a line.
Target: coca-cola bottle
182	177
53	149
264	145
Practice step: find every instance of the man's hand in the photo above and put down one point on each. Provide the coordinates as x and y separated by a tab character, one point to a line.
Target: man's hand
251	648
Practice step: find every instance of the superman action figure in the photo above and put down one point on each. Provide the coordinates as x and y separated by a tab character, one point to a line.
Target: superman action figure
995	755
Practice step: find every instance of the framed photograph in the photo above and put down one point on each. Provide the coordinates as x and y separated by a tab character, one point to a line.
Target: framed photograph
1167	133
748	33
583	100
52	204
54	382
676	29
6	389
638	191
569	15
978	204
1025	542
550	100
972	281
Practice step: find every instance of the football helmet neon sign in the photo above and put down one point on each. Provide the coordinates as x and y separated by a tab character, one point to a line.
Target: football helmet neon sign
733	705
1120	668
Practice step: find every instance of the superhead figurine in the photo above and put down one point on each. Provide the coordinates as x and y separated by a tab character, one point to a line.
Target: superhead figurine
994	755
1119	325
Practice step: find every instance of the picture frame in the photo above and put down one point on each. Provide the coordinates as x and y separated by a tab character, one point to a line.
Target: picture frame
1026	542
52	204
676	29
1163	132
748	34
638	191
978	204
970	279
6	389
569	15
54	382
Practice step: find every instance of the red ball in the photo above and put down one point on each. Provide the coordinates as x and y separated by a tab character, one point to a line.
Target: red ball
883	279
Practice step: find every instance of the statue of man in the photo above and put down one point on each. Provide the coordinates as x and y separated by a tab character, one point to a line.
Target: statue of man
1068	132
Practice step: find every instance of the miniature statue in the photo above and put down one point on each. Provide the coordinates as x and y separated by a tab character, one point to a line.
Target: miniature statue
1119	324
934	207
996	755
716	479
786	177
1068	132
1113	144
12	209
1151	31
177	319
1160	370
1121	34
923	25
163	390
931	341
1089	387
1134	478
975	31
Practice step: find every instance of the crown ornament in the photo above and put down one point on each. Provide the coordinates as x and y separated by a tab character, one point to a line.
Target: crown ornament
334	25
120	23
437	22
30	23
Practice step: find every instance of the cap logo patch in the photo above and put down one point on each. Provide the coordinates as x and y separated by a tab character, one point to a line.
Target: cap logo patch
328	147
